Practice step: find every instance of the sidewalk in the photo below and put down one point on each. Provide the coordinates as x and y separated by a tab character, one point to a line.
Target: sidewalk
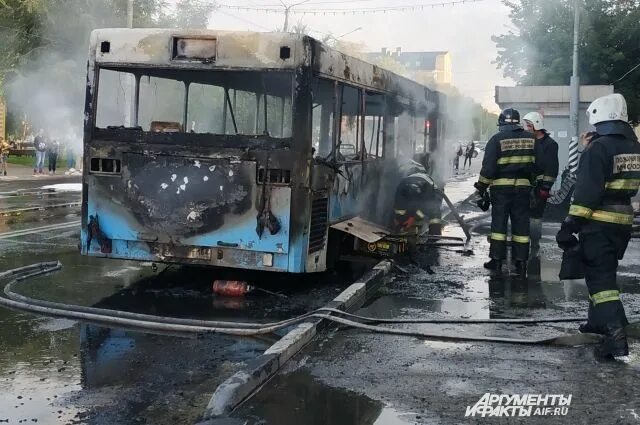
21	172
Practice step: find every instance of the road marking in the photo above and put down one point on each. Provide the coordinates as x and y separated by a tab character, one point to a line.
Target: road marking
7	213
41	229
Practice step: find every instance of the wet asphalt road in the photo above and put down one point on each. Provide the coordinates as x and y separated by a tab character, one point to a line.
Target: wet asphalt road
55	371
352	377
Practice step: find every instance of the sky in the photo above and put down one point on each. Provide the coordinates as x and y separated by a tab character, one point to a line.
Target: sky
464	29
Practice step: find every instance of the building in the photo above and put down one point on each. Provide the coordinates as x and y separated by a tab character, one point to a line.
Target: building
423	67
553	103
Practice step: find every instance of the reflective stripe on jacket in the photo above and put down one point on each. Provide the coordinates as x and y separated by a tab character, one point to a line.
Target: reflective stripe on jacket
608	175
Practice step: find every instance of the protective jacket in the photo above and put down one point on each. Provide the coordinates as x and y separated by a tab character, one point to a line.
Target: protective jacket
509	159
608	176
546	162
508	167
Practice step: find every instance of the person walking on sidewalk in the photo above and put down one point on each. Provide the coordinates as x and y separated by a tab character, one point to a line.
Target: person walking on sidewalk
471	148
456	160
4	156
602	216
53	147
40	144
507	167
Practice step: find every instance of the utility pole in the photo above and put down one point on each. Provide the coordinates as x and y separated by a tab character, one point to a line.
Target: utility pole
574	106
287	9
129	13
130	84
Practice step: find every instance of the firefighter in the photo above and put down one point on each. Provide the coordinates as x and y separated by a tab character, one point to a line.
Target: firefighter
547	172
507	167
601	214
416	201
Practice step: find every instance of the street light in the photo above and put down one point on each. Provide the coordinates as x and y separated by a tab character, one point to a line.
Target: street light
347	33
334	38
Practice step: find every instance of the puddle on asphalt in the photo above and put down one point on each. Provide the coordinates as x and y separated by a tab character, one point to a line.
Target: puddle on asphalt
310	402
67	373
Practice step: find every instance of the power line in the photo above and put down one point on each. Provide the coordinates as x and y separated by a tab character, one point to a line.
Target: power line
247	21
349	11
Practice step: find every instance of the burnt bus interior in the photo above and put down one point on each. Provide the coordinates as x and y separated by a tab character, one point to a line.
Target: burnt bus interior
375	131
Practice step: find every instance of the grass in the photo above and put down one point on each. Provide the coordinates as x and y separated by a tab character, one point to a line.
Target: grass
28	161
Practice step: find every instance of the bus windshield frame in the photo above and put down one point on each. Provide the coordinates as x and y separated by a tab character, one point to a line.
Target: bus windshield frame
170	103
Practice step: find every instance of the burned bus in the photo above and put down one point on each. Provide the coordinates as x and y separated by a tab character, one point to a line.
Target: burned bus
240	149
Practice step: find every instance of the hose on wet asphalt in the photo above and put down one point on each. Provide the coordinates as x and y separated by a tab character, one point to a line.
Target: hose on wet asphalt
163	324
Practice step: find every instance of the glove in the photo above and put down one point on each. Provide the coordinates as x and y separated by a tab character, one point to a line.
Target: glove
480	187
565	238
484	202
542	193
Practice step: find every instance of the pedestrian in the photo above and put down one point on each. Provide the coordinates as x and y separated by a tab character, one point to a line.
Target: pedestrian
469	154
546	175
40	144
456	160
53	148
601	214
507	167
4	155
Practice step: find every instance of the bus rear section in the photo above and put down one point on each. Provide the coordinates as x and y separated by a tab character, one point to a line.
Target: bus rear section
190	162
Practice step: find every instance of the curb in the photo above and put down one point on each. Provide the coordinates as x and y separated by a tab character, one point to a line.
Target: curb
257	372
20	211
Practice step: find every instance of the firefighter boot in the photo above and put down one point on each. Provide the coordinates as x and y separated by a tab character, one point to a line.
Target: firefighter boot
520	268
614	344
494	265
588	327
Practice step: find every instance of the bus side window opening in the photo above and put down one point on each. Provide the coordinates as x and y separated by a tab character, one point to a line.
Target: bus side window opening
374	125
322	118
350	124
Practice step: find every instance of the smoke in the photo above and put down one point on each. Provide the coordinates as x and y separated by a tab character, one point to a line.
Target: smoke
49	88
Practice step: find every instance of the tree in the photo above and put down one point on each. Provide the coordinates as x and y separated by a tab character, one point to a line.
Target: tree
44	46
538	51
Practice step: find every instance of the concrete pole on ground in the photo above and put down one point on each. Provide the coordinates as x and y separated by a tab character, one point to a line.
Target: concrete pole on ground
574	107
129	81
129	13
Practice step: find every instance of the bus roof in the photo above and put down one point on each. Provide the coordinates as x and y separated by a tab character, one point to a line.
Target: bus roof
213	49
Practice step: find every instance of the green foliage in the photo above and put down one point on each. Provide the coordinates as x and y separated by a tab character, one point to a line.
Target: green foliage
539	50
51	37
20	32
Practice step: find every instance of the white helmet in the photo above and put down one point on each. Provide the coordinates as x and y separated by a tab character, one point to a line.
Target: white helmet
536	119
612	107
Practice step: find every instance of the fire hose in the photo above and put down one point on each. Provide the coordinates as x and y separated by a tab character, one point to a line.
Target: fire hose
163	324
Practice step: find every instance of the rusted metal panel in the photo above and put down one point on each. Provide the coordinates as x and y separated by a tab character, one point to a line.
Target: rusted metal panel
362	229
334	64
154	47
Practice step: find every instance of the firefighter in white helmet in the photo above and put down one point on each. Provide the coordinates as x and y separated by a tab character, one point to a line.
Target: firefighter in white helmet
601	213
546	174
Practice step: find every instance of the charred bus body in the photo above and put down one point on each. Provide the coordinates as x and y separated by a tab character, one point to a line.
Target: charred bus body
243	150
